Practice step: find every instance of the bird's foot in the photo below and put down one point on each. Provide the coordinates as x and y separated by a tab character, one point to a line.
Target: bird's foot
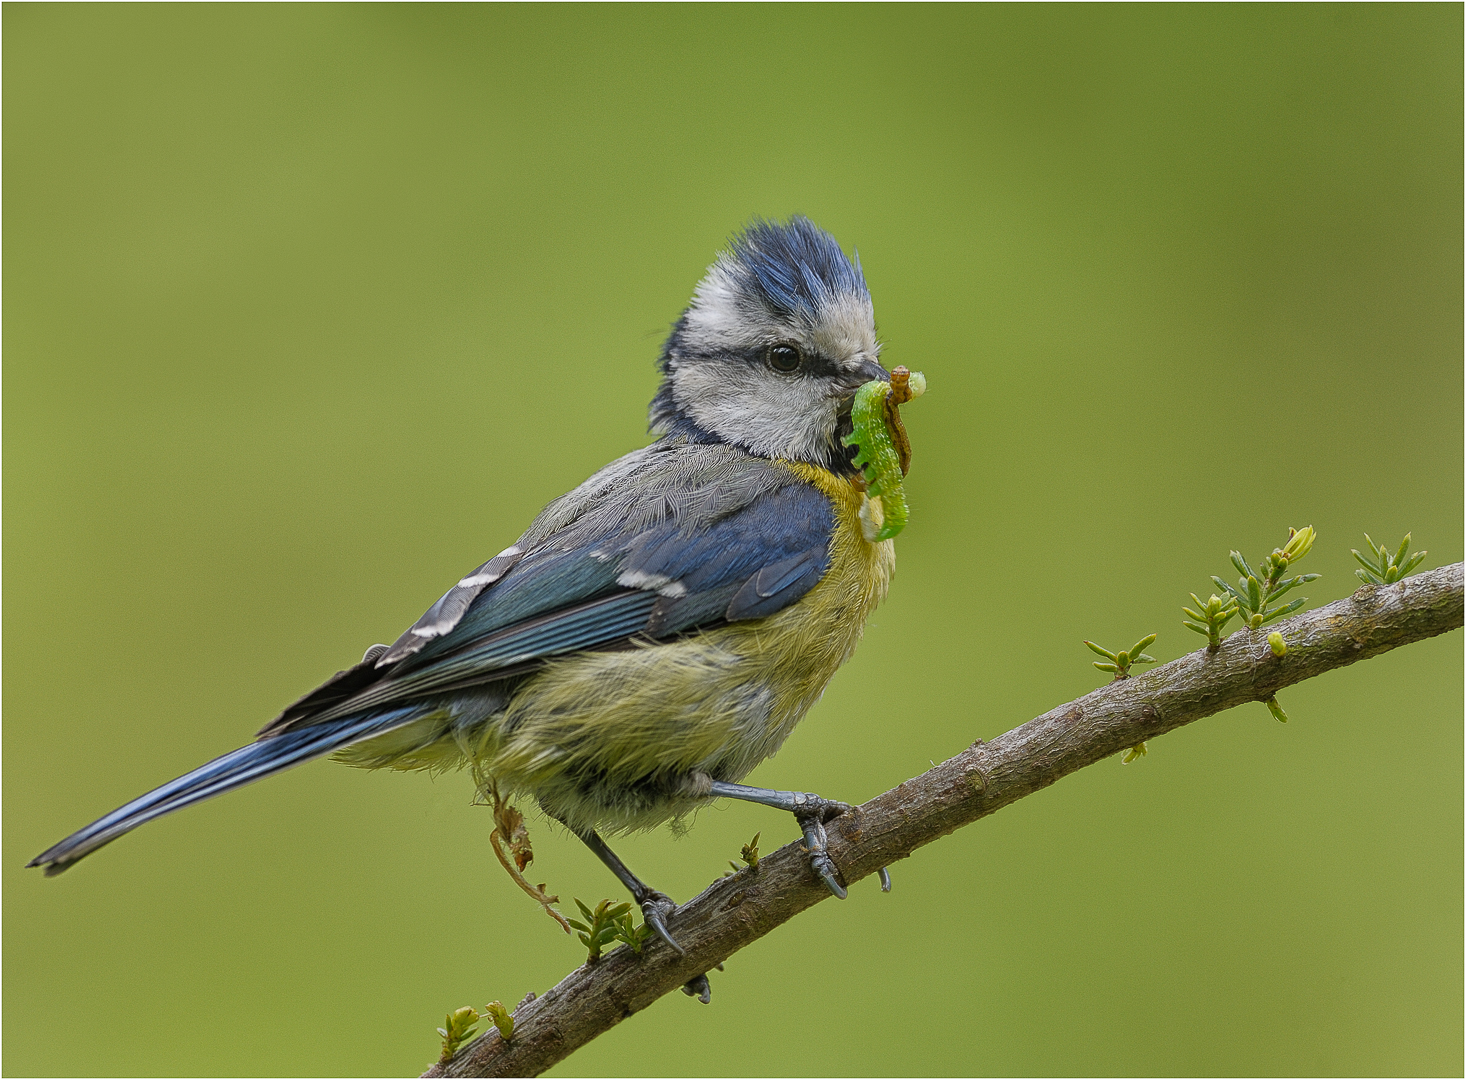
656	908
812	812
700	988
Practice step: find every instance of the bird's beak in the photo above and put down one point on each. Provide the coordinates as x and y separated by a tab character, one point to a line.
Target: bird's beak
867	371
852	381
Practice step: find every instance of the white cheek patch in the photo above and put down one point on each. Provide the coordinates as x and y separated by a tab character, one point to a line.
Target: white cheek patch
770	415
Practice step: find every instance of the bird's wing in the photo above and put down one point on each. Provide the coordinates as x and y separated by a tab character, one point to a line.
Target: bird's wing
666	541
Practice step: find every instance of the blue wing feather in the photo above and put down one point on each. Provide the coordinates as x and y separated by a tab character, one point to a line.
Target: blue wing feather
542	582
654	573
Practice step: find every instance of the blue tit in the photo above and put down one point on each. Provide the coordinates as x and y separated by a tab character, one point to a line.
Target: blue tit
661	629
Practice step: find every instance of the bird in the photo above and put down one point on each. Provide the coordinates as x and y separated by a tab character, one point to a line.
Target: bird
658	631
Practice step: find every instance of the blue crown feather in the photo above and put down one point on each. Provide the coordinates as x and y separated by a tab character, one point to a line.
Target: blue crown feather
793	267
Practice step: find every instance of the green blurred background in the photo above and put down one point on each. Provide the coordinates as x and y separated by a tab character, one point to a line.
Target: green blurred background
310	308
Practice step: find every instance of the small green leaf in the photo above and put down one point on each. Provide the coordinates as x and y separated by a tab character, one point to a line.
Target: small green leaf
1284	587
1286	609
1277	644
1366	563
1277	710
1103	652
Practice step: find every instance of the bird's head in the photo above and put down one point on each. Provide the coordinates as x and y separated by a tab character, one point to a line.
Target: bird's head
768	356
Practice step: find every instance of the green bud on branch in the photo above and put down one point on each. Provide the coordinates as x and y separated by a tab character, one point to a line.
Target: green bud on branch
600	928
1208	618
1258	592
1120	662
458	1029
1383	568
496	1012
749	855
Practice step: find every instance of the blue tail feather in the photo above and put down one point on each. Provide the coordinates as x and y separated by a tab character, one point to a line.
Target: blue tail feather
232	770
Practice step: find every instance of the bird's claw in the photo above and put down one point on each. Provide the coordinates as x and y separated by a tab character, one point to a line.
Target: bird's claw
654	911
812	812
822	865
699	987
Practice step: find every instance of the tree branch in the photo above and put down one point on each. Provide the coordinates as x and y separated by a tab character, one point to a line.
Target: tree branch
738	910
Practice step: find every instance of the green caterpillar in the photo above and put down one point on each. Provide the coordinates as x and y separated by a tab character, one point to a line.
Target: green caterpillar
884	450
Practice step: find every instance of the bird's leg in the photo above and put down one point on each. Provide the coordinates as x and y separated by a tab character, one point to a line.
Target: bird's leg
655	906
811	812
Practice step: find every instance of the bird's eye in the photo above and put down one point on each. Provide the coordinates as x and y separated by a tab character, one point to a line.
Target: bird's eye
784	358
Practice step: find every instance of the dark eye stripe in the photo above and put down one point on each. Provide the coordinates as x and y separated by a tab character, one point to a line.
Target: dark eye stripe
811	364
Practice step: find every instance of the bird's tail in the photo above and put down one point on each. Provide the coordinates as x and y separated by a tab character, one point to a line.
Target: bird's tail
235	769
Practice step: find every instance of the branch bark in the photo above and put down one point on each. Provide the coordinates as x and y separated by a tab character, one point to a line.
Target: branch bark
738	910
